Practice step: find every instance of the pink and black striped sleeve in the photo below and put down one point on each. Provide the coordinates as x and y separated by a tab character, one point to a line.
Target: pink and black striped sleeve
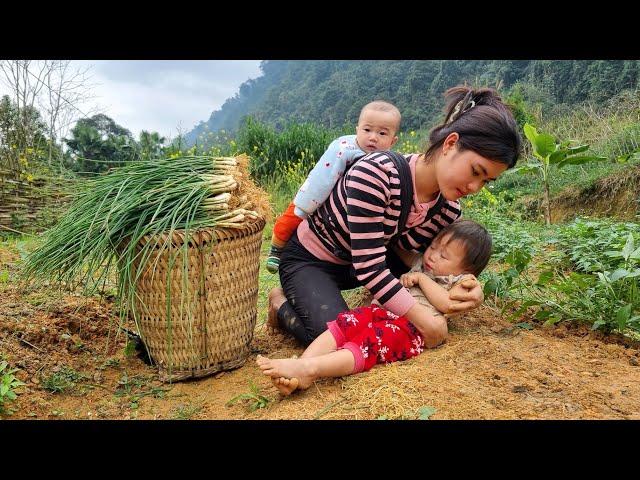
370	186
418	238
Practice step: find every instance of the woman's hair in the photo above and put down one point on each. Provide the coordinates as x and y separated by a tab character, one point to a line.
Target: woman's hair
485	125
476	242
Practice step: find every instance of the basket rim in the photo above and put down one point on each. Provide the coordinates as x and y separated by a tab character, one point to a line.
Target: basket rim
207	234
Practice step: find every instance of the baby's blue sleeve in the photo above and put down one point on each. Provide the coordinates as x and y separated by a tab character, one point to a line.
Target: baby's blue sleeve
324	175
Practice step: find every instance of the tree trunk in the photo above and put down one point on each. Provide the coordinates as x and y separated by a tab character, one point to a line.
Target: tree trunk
547	204
51	140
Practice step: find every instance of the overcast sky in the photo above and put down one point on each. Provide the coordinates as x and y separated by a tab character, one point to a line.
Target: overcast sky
162	95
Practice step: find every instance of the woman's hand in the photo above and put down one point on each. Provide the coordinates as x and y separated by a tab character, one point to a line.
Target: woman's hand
466	296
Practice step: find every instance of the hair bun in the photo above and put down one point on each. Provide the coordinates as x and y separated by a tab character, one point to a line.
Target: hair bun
486	96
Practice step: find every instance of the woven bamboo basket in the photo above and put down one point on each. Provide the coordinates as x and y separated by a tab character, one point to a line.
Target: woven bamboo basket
208	322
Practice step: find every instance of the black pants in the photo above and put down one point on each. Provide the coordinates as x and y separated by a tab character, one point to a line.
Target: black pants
312	287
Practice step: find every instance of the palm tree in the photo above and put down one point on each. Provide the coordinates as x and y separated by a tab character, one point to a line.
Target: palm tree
86	145
150	145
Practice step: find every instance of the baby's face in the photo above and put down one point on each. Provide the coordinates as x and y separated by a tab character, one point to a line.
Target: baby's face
444	257
376	130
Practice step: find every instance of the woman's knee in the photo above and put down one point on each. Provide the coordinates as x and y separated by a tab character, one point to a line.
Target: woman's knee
313	323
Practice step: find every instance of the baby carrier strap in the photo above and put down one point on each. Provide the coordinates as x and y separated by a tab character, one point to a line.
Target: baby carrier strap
406	196
406	192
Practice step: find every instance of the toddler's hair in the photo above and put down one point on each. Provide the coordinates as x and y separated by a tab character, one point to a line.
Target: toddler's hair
476	241
382	106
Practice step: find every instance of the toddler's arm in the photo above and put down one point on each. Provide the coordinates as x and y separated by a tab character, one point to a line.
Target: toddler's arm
437	295
432	328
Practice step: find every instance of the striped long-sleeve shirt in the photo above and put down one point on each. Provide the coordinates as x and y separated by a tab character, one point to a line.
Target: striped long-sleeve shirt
360	217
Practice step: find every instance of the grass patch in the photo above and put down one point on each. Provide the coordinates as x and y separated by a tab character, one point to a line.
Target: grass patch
252	400
63	380
185	412
137	387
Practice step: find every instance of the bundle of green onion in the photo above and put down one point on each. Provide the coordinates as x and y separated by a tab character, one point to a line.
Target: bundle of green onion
107	220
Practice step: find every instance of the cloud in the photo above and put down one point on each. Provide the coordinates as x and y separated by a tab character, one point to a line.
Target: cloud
165	95
162	95
222	72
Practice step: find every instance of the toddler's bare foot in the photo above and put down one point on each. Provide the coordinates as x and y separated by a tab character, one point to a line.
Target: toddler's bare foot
260	360
276	299
286	386
288	368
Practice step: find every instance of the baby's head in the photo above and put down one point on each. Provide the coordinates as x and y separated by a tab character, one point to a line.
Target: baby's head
378	126
461	247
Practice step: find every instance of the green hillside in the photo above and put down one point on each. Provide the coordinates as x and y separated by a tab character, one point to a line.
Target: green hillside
332	93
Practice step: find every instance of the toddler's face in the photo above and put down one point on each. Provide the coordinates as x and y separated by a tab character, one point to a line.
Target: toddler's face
376	130
444	257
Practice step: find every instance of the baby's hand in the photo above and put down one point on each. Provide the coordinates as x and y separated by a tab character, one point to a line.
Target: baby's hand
410	279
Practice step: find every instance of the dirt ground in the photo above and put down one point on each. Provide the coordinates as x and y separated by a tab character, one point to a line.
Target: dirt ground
76	367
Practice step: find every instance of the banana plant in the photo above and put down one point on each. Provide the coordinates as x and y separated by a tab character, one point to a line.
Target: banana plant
548	153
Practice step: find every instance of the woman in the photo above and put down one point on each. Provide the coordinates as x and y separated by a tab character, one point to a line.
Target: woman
349	241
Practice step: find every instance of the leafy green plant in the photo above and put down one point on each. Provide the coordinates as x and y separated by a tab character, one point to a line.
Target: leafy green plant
253	399
631	157
185	412
111	362
425	413
585	298
130	348
500	284
64	379
508	230
133	388
518	103
622	285
594	245
8	383
546	154
606	300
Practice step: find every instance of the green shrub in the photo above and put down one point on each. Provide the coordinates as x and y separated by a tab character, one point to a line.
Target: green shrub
587	242
272	153
8	383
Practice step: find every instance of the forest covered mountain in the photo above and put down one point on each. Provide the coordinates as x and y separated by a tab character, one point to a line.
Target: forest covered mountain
333	92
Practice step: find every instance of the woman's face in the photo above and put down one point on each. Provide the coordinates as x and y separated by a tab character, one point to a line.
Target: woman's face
463	173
